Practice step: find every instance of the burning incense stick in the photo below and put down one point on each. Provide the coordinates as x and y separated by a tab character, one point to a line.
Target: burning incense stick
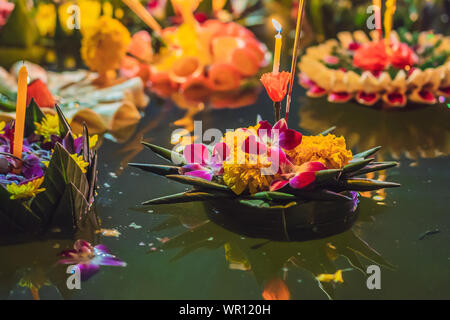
301	6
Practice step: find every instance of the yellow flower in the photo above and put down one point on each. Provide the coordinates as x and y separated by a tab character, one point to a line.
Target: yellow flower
80	162
46	19
329	150
243	171
26	190
105	44
336	277
2	126
48	126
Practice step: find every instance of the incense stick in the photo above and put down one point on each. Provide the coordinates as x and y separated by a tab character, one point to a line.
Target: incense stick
301	6
143	14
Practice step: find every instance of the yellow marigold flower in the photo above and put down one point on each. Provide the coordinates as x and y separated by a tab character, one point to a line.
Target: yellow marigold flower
80	162
329	149
336	277
26	190
2	126
48	126
243	171
105	44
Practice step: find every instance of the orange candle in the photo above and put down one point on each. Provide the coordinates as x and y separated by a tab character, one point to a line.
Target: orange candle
388	19
21	106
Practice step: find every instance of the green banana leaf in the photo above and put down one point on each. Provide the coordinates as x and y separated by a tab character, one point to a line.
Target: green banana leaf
166	154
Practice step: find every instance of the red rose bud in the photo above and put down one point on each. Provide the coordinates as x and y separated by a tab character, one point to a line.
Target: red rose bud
38	91
276	84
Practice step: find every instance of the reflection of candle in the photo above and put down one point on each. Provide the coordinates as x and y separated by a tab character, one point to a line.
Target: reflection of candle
278	42
388	19
20	111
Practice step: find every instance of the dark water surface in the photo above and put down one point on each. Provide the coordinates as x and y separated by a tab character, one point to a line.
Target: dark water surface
210	262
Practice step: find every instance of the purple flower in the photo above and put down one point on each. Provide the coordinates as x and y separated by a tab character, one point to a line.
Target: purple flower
32	167
89	259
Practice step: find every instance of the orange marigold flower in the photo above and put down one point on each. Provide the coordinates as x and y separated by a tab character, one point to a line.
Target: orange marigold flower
276	84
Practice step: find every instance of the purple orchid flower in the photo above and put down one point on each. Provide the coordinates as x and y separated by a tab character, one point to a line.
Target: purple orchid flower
89	259
202	164
277	136
272	141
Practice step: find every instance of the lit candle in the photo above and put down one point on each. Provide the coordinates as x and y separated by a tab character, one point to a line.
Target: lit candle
388	19
278	43
20	111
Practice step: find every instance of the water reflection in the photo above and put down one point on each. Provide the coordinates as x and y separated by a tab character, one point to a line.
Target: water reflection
269	261
33	265
416	134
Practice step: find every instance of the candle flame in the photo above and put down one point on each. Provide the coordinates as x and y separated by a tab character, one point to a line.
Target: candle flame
278	27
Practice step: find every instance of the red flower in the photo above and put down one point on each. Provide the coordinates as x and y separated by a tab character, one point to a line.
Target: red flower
371	56
38	91
276	84
402	56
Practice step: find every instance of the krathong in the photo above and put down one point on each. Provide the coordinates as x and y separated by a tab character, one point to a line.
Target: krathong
411	67
51	186
271	167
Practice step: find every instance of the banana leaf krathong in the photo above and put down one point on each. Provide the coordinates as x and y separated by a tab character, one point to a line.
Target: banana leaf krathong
64	204
330	188
411	70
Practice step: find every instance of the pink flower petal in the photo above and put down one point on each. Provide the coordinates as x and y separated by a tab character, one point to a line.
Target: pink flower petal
339	97
264	129
281	126
278	184
252	145
312	166
302	180
279	158
289	139
196	153
200	174
191	167
220	152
